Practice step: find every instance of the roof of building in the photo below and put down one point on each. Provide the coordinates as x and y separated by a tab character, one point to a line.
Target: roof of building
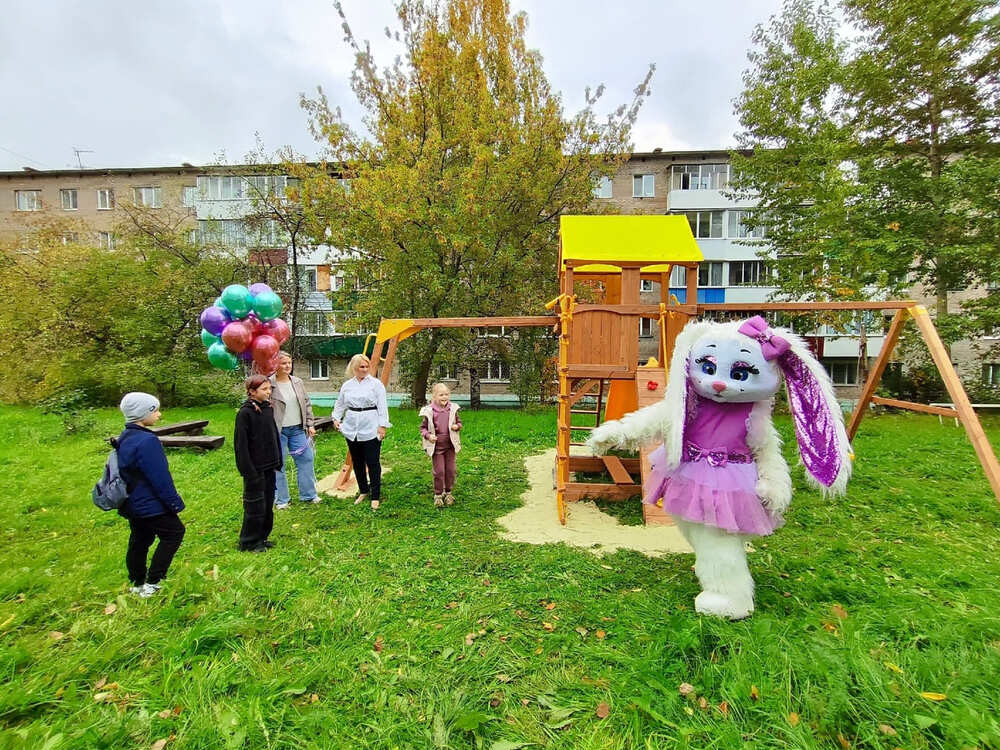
660	239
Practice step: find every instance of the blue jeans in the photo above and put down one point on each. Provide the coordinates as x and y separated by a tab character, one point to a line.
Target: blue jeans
295	441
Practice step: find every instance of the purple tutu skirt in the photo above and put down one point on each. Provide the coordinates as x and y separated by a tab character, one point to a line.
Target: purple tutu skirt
721	496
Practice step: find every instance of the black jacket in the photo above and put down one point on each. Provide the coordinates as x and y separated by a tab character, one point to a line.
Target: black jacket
258	448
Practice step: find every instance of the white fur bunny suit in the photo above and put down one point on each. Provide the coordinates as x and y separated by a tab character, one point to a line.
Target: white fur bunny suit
720	470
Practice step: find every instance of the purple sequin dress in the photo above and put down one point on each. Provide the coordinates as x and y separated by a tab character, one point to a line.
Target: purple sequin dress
715	482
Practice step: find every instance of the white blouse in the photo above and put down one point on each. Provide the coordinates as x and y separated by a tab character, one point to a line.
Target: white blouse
363	394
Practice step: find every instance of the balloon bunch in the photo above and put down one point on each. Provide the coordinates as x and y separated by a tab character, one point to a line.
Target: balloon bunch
244	324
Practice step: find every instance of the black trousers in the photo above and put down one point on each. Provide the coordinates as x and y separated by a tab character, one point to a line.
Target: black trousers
366	457
170	531
258	510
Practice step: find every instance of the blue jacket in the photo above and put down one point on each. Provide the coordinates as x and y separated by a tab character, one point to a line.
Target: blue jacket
143	466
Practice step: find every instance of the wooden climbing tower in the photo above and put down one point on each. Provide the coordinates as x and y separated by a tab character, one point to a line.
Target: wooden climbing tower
599	373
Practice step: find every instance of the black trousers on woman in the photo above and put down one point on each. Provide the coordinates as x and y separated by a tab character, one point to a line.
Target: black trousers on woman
366	457
169	529
258	510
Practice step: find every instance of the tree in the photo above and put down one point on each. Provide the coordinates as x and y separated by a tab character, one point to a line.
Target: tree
451	201
862	154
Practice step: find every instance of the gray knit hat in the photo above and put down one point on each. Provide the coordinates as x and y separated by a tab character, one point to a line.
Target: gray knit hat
138	405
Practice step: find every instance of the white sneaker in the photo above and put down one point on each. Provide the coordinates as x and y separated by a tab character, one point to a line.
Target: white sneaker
316	500
148	589
281	506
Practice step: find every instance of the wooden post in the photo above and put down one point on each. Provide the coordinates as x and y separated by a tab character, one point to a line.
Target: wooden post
875	376
958	397
692	285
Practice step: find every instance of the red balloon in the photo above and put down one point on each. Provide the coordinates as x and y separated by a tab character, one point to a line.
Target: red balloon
279	329
264	349
236	336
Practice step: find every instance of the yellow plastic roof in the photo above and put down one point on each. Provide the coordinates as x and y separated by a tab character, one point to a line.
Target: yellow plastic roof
659	239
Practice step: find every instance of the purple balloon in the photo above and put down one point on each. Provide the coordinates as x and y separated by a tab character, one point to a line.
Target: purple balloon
214	319
245	355
259	287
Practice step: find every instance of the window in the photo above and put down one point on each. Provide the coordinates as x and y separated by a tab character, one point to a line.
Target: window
105	199
338	282
699	176
497	370
748	273
69	238
228	232
678	276
67	196
739	229
258	186
319	369
189	194
106	240
705	224
315	323
710	273
842	372
307	278
220	188
28	200
646	285
643	186
147	196
991	374
602	189
645	328
447	372
491	332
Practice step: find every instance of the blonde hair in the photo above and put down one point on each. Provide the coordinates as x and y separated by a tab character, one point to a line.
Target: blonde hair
352	365
437	386
285	355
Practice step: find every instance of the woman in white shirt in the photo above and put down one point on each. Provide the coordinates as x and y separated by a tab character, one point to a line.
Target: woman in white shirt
294	417
362	416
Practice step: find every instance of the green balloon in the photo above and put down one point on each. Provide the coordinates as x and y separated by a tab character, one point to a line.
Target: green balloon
237	299
267	305
208	338
221	357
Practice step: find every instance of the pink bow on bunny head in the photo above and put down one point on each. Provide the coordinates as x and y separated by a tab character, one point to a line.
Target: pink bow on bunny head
771	344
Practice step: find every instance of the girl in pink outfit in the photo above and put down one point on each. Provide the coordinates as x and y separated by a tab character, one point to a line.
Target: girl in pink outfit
439	428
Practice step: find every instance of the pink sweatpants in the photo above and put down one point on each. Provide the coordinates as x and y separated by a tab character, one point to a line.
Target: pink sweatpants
443	464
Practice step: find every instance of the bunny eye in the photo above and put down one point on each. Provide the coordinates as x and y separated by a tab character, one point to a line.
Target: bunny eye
739	373
707	365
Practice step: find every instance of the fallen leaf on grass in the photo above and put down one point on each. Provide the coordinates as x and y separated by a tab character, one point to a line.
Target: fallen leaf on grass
933	696
313	697
829	626
703	703
550	605
603	709
600	635
100	683
893	667
469	638
451	605
754	693
686	688
843	741
793	719
582	631
56	635
378	643
887	730
839	612
60	692
496	700
503	678
688	710
158	745
548	626
103	697
111	609
724	708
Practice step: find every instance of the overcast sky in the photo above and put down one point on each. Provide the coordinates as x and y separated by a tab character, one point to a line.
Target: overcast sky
168	81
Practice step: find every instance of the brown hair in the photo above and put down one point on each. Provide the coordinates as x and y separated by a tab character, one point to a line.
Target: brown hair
254	382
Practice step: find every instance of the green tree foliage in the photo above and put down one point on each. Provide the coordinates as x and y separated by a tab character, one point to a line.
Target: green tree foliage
82	320
873	153
450	202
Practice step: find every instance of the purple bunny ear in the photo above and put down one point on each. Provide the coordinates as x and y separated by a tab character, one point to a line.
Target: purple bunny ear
818	422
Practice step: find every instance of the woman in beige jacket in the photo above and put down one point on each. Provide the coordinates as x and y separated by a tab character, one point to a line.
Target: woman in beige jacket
294	418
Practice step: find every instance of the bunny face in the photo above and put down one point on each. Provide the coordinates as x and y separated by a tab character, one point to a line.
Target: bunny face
728	367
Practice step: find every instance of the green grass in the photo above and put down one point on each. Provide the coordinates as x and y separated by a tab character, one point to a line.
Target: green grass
421	628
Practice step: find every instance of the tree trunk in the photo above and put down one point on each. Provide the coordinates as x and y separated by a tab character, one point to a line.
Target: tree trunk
862	350
294	339
418	389
474	402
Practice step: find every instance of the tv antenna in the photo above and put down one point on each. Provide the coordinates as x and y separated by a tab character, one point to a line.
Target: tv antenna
79	151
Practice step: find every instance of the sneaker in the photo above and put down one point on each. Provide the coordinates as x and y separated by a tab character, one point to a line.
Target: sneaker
262	547
361	498
439	501
375	504
269	544
146	590
449	499
281	506
316	500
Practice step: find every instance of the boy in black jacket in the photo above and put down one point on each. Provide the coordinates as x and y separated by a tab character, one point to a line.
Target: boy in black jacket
258	455
153	503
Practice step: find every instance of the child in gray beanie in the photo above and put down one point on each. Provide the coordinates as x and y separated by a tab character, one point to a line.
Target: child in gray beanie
153	503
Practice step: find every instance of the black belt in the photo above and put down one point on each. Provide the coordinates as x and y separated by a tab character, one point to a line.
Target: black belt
362	408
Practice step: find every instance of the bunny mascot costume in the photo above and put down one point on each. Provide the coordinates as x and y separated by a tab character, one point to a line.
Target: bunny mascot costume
720	470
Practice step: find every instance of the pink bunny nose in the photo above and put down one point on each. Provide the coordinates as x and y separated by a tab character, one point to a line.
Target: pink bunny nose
718	386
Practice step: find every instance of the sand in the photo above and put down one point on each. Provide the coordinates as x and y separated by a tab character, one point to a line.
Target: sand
537	522
325	485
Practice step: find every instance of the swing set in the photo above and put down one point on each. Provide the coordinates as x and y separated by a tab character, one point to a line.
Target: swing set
599	375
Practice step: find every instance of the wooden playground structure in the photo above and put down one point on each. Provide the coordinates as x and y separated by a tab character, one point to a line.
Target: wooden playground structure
599	373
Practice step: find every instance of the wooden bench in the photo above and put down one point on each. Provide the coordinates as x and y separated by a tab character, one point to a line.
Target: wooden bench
195	427
205	442
975	407
323	423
